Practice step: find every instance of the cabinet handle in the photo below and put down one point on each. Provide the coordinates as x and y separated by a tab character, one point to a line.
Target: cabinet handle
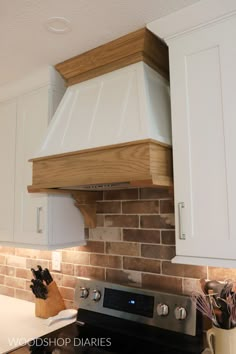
182	236
39	230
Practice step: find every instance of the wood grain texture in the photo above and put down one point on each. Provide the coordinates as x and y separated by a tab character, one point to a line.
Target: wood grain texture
138	161
137	46
52	305
89	213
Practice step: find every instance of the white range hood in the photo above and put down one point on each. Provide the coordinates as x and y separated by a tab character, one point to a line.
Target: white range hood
112	128
125	105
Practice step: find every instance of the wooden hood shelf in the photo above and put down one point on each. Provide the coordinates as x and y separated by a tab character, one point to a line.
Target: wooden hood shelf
82	174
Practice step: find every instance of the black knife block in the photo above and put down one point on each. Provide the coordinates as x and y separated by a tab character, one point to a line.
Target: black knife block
52	305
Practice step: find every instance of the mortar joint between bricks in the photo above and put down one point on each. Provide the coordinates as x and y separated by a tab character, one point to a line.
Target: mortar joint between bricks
122	234
182	279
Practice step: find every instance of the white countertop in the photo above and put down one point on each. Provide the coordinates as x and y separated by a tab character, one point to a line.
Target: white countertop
19	324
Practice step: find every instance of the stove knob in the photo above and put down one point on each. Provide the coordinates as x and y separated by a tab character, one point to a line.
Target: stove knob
96	295
180	313
84	293
162	310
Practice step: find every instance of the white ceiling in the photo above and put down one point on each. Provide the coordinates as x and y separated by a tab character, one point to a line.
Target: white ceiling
25	44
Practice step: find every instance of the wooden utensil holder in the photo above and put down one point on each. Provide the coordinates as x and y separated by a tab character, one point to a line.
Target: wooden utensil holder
52	305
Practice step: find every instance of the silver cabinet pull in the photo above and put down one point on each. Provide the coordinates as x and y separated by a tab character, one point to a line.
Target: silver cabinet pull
182	236
39	229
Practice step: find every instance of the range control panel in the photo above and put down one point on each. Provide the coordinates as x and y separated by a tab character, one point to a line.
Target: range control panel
167	311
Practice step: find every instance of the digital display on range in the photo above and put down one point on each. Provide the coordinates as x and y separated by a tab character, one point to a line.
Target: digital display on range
137	304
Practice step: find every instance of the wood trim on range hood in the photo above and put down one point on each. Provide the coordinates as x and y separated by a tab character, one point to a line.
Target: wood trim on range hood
141	45
140	163
145	163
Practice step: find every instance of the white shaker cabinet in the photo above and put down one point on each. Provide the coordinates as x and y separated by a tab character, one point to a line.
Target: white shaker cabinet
32	220
203	104
7	174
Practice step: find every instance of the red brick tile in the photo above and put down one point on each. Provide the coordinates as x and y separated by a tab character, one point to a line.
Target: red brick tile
185	271
141	264
141	235
70	304
15	282
92	246
221	273
123	194
24	295
121	221
162	283
57	277
155	193
2	279
67	293
2	259
7	250
167	206
140	207
5	290
190	285
100	220
164	221
168	237
157	251
105	234
90	272
32	263
74	257
16	261
27	253
122	248
108	207
45	255
68	281
101	260
7	270
67	268
128	277
23	273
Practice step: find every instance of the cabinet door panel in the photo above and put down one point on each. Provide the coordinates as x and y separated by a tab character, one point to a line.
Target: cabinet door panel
228	60
32	120
199	144
7	160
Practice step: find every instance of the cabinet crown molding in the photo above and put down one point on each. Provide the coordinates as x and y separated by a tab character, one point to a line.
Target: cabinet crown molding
40	78
192	17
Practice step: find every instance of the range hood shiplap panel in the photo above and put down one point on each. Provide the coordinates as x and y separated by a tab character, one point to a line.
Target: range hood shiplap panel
114	108
158	104
80	119
113	112
57	126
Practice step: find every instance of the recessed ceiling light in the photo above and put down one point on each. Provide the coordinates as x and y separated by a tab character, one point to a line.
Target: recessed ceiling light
58	25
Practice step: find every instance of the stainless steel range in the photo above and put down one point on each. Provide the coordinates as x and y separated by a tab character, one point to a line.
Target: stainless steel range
121	319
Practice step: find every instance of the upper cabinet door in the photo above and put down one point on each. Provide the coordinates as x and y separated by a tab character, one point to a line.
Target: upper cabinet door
202	71
7	160
31	210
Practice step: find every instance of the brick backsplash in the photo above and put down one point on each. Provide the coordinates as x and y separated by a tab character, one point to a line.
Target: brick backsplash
133	243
